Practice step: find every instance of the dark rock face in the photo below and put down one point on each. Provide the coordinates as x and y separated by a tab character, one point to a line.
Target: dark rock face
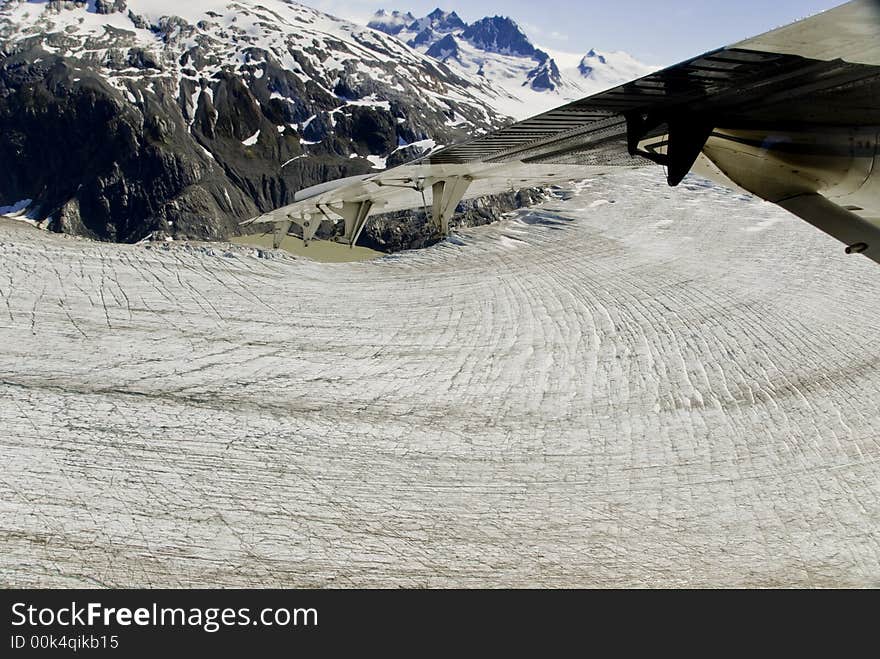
171	139
546	75
109	6
499	35
394	232
593	53
426	36
101	167
586	67
444	49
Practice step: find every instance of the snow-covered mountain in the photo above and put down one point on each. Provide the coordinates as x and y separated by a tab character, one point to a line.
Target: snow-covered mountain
526	80
121	118
125	118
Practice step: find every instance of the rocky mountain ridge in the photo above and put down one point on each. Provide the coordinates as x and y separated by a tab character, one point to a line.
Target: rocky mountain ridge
124	121
495	48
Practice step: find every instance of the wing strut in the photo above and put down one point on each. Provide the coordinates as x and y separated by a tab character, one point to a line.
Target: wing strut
307	222
355	214
860	235
447	194
281	229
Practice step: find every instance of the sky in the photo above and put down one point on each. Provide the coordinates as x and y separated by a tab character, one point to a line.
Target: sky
659	33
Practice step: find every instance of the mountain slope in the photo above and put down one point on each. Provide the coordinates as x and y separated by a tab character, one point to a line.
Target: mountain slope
527	80
123	119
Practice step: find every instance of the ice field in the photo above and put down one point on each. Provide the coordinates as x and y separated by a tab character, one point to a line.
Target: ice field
679	388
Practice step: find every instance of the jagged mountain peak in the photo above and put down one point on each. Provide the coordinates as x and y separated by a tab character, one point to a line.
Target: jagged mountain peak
499	34
393	16
444	49
608	68
545	76
391	22
497	51
439	21
589	62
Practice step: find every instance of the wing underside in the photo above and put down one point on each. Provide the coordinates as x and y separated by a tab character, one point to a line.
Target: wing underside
789	115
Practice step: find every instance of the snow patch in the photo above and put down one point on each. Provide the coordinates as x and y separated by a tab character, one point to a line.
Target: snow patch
371	102
292	159
421	145
378	162
308	121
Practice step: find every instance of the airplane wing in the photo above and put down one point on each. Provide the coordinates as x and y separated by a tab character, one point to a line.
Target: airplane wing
792	116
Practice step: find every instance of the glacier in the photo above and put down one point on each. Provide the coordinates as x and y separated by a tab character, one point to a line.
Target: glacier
624	386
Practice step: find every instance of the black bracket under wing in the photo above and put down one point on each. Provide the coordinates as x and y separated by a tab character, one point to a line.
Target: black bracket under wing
686	137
